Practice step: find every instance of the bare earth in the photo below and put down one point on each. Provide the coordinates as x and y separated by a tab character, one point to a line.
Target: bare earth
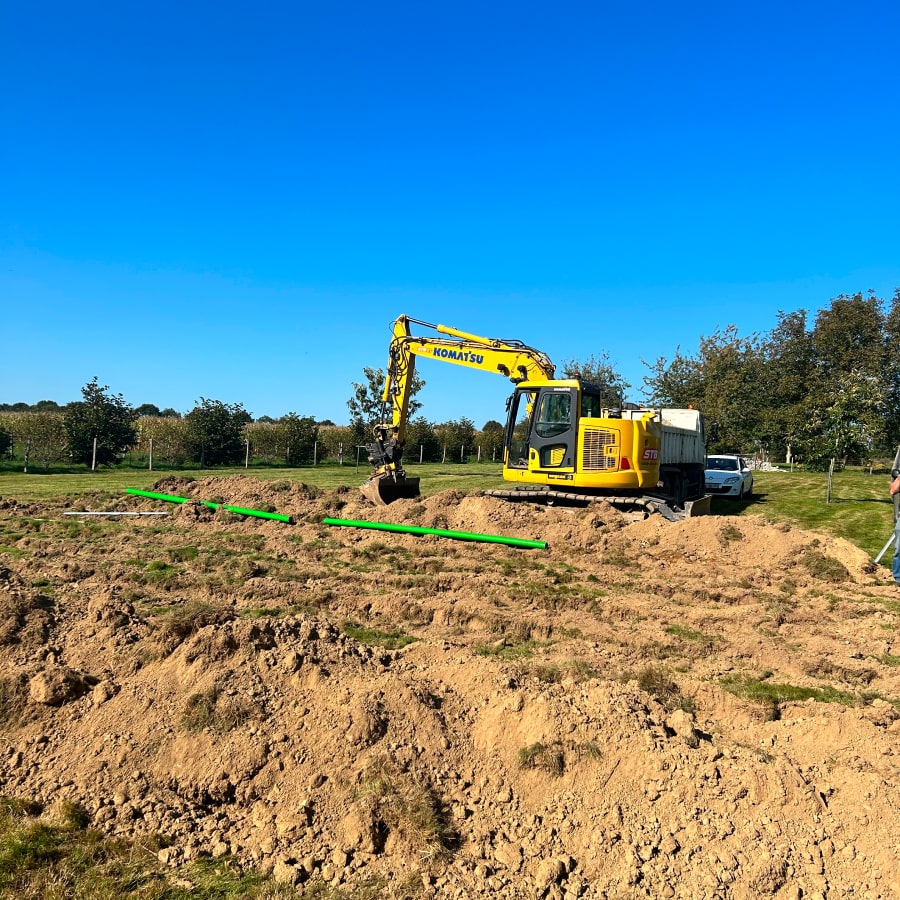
560	727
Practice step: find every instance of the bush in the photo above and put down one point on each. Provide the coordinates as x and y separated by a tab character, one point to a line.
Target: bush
215	432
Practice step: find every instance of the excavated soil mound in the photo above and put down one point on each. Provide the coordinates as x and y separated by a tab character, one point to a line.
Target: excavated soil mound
707	709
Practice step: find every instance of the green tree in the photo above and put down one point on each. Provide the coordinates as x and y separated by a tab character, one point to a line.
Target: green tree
599	372
421	441
891	377
366	406
783	392
677	384
722	381
170	438
5	441
337	442
42	436
215	432
147	409
300	434
101	416
490	439
849	336
848	422
457	436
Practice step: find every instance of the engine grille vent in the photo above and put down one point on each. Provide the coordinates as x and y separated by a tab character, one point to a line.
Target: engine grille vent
595	458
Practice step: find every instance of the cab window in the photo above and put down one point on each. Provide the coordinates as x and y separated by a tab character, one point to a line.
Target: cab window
554	414
520	419
590	406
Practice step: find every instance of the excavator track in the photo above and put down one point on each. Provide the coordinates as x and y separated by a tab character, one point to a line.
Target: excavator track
641	507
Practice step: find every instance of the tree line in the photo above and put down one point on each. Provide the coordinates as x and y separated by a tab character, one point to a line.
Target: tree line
102	430
809	392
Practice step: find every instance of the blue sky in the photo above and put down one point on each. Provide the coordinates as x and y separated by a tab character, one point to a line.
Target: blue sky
235	200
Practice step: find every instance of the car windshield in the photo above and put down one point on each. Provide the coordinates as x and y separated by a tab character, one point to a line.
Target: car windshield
722	464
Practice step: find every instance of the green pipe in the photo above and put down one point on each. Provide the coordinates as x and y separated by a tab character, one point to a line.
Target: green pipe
238	510
441	532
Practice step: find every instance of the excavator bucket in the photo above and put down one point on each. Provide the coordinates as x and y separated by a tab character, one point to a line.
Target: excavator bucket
382	489
697	507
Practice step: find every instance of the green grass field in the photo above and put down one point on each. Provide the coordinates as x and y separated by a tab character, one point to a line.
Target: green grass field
860	510
435	477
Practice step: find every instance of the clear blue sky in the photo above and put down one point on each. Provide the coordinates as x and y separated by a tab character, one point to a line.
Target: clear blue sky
234	200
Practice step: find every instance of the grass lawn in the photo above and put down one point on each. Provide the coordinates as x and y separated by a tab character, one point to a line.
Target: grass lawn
435	477
860	510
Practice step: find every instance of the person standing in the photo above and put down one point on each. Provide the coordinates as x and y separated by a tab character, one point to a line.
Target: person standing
895	489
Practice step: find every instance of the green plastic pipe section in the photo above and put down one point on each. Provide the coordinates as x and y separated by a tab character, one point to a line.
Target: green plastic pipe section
168	498
440	532
355	523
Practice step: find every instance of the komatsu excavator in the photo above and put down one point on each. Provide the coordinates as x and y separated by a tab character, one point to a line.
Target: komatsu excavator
560	444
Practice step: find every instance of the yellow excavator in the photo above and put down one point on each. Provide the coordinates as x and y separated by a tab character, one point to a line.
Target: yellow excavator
560	444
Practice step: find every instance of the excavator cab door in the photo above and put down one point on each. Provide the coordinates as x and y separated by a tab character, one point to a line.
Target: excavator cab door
553	436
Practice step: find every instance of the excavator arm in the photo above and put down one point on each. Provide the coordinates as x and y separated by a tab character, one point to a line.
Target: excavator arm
509	358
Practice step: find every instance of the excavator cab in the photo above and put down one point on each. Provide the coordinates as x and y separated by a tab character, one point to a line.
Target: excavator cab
542	428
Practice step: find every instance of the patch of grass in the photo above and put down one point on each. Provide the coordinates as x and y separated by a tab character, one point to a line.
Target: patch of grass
779	608
823	567
505	650
659	684
264	612
888	659
177	623
183	554
771	694
45	857
688	634
549	758
578	670
214	710
788	587
590	749
616	557
389	640
16	552
313	480
729	533
403	803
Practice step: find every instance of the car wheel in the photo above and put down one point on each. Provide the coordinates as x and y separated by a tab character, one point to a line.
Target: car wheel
740	495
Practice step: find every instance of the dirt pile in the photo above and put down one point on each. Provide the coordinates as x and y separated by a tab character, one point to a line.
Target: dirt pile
700	709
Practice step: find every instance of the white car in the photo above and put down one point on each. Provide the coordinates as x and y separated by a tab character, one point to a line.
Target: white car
728	476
